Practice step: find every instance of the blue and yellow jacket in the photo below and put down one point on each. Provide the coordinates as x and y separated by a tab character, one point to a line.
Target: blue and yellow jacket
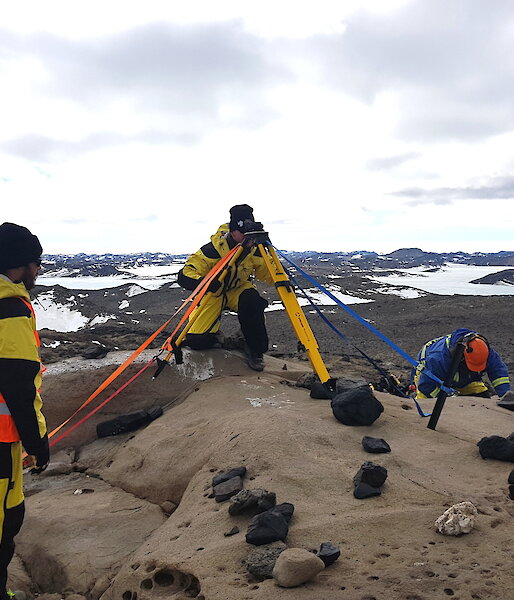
20	371
436	356
202	261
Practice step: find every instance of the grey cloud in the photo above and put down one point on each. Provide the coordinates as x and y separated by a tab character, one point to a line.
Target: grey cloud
175	78
47	149
389	162
451	65
499	188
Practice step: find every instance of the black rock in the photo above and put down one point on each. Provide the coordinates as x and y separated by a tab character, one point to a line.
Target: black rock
307	380
496	447
357	407
375	445
260	561
320	392
363	490
286	509
511	477
255	501
227	489
328	553
511	492
233	531
371	474
270	526
94	351
344	385
511	436
226	475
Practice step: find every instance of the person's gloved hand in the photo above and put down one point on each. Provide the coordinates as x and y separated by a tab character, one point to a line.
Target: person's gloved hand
42	457
214	286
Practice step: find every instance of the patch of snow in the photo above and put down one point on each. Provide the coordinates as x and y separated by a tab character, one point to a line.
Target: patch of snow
101	319
124	304
199	369
449	280
155	270
405	293
52	314
321	299
135	290
52	344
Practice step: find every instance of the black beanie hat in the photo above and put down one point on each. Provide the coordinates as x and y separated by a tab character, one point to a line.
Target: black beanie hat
18	247
238	215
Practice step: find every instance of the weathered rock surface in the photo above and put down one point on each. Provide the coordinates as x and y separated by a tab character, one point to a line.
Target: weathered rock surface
252	501
270	526
457	520
74	539
261	560
295	566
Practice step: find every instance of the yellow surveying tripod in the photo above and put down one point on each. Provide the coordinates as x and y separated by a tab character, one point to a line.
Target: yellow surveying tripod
284	287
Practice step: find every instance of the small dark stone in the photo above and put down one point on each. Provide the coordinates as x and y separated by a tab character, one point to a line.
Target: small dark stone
357	407
363	490
284	368
375	445
233	531
211	495
94	351
328	553
371	474
255	501
496	447
226	475
270	526
511	492
227	489
260	561
511	477
320	392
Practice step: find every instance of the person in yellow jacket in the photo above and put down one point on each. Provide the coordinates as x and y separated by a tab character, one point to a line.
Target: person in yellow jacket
236	292
21	421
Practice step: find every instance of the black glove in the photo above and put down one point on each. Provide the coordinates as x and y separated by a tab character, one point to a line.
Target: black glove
42	457
214	286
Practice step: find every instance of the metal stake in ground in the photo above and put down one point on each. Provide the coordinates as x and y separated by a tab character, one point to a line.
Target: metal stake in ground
442	395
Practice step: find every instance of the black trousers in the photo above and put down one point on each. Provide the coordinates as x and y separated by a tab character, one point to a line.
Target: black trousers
11	517
250	312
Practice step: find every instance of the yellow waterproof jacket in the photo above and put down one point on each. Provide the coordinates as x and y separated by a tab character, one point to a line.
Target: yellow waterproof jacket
20	368
239	276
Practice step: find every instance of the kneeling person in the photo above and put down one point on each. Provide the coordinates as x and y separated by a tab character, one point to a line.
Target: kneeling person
236	292
478	358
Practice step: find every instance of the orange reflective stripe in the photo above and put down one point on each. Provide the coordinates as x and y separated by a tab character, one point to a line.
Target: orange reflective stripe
8	430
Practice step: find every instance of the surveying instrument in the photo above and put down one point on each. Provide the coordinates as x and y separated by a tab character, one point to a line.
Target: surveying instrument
306	340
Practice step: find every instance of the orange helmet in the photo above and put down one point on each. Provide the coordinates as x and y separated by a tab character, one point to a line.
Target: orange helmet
476	353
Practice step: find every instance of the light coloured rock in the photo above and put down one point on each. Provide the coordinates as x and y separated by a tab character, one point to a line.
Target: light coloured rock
168	507
102	584
458	519
296	566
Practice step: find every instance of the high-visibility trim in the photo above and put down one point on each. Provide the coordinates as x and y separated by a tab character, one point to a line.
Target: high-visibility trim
434	392
8	430
500	381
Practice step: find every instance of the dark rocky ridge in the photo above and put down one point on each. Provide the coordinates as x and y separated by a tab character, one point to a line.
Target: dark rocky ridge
408	322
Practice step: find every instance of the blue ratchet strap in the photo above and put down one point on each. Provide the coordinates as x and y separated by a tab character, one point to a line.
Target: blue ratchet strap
342	336
374	330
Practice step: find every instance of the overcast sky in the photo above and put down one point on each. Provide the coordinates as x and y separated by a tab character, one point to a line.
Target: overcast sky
129	126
